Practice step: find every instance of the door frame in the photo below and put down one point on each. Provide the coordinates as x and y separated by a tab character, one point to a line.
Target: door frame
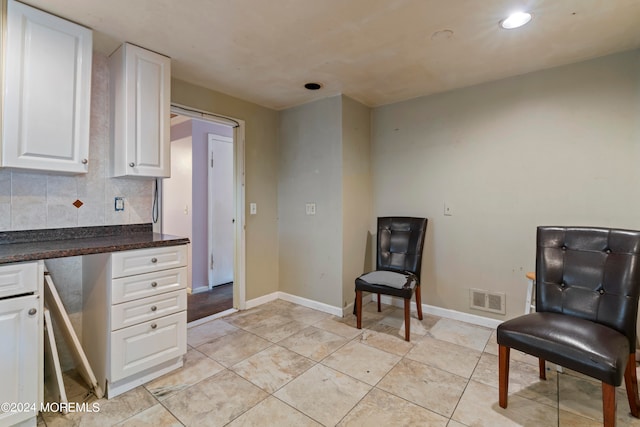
239	259
210	194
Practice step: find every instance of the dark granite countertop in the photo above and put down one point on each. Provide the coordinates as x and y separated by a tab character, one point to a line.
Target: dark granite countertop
30	245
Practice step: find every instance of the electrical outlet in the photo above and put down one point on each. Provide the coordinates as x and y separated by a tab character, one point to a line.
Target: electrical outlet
119	204
310	208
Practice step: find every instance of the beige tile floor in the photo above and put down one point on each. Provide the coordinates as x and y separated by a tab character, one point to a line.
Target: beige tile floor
281	364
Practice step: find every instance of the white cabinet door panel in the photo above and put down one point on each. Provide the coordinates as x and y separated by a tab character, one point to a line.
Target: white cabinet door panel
141	86
47	92
146	345
18	355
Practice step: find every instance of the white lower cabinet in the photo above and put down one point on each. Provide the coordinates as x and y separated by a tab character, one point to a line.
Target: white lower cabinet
134	320
21	362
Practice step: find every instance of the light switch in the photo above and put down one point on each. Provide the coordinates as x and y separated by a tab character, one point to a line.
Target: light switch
310	208
448	209
253	208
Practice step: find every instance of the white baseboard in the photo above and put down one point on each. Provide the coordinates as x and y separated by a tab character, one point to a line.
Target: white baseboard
210	318
261	300
320	306
443	312
337	311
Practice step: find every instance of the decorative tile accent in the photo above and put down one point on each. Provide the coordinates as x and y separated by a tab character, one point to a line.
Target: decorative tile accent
77	203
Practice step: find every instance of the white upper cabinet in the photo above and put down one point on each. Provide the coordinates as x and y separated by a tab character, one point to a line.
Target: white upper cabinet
47	90
140	89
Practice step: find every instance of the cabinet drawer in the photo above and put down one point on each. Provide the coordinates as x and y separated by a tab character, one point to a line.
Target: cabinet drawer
148	344
145	285
18	279
140	261
142	310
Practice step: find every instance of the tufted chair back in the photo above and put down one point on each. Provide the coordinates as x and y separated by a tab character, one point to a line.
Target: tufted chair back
400	243
591	273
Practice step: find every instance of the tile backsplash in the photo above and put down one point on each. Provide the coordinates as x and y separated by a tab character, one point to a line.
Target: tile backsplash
30	200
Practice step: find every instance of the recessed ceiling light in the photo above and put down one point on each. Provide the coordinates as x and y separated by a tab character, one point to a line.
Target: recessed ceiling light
515	20
312	86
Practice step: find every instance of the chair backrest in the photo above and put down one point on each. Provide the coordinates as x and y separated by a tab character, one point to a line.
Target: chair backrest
591	273
400	243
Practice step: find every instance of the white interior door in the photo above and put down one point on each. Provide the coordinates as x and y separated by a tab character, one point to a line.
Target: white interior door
221	210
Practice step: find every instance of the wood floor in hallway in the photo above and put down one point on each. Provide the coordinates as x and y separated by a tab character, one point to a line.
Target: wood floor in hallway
203	304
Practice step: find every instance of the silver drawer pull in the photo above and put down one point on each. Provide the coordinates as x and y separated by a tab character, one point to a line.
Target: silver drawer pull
32	311
131	164
154	260
154	308
153	326
85	161
154	284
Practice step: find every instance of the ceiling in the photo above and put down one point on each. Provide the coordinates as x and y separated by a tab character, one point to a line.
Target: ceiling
375	51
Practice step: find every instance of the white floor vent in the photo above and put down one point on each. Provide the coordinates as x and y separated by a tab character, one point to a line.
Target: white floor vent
481	299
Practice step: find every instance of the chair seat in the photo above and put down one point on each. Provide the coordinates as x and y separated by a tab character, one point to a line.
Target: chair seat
565	340
388	282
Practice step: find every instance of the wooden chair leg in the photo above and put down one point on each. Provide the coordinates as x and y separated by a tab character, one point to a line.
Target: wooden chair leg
609	405
418	302
359	309
542	368
379	310
503	375
407	319
631	384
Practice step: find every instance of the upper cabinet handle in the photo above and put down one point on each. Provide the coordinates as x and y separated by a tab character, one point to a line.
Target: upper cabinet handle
85	161
131	164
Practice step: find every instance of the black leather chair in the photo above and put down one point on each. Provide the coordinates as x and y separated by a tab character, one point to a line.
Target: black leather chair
398	264
588	282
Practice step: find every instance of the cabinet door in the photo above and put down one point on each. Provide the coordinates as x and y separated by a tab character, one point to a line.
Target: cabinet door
146	345
47	92
141	82
18	355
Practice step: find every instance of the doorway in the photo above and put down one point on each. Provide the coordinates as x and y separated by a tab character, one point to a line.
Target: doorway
204	200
